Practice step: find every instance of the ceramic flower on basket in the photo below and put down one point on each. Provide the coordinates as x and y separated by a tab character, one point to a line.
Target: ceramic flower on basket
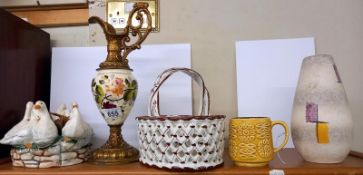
181	142
44	140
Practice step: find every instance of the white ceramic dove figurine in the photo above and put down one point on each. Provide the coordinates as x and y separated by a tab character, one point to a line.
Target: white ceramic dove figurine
76	128
62	110
44	131
21	132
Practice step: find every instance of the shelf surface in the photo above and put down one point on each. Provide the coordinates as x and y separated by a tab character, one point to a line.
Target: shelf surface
294	165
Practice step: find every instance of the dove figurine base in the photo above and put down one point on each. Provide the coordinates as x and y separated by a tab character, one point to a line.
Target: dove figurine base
115	150
44	140
61	153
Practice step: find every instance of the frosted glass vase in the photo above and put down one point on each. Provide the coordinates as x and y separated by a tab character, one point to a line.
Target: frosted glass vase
321	124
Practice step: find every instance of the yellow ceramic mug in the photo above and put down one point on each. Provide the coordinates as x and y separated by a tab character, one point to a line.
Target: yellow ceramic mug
250	140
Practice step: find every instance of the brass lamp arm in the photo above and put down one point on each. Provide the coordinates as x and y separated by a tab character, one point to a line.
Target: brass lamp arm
118	46
139	9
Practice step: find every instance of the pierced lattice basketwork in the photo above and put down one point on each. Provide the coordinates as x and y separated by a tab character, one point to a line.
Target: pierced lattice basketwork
182	142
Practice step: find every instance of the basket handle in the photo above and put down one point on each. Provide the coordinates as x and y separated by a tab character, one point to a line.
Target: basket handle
154	109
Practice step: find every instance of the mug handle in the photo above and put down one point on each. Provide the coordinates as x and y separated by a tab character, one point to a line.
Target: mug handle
286	128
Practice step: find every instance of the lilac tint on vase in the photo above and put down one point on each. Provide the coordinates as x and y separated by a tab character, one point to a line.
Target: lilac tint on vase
311	112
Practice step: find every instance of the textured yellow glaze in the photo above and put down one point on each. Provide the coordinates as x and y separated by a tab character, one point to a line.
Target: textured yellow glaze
250	140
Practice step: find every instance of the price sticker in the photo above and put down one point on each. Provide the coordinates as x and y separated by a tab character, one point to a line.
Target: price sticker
276	172
112	113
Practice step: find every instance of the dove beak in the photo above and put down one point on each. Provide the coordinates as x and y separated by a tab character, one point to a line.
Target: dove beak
37	106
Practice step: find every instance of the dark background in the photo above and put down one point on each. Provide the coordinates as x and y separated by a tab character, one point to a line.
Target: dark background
25	62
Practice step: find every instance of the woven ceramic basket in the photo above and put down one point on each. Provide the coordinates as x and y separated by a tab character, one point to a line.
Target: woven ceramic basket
181	142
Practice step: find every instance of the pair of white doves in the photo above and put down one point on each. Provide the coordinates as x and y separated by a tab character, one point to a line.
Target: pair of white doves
38	127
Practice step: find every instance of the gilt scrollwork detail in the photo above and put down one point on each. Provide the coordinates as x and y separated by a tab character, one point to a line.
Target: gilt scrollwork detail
120	44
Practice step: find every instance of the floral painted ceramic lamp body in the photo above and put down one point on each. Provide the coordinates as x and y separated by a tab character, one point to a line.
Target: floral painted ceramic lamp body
115	92
115	88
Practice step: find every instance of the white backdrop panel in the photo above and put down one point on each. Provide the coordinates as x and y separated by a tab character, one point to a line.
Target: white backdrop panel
267	75
74	67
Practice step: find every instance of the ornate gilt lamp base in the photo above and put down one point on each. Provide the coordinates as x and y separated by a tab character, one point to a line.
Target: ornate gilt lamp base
115	88
115	150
